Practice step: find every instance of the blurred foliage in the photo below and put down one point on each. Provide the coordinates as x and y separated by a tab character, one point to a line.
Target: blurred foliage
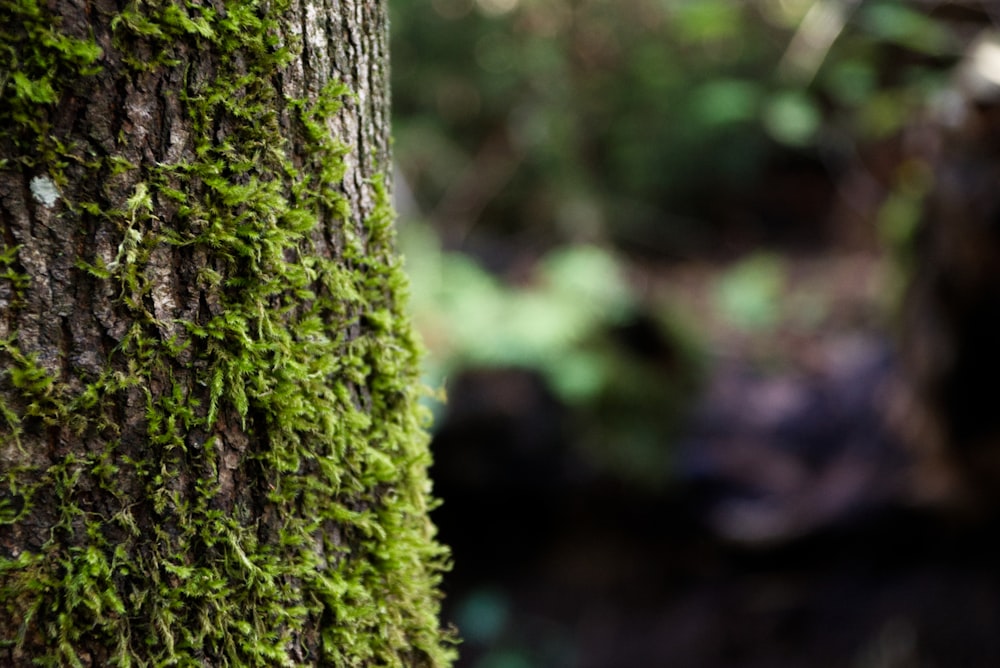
499	640
577	322
749	294
555	157
469	317
553	121
543	138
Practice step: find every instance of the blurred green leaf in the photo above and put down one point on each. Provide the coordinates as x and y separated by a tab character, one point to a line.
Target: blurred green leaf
749	294
898	218
895	22
726	101
707	19
590	277
851	82
791	117
578	375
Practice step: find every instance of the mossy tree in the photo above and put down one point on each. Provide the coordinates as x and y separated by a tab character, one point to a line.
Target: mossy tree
210	443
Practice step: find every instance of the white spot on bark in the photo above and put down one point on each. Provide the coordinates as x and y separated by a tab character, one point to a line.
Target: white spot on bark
44	191
162	277
178	142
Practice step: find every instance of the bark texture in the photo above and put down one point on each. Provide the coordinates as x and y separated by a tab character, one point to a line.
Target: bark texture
210	443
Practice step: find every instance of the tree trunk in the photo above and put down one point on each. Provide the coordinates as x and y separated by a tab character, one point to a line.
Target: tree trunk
951	319
210	441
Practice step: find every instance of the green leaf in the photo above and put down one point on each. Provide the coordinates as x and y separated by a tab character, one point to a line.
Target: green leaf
792	118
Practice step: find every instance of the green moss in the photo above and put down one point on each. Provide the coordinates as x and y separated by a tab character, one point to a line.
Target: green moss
313	356
39	57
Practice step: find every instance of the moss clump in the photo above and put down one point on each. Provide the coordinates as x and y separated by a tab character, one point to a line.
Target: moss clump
278	500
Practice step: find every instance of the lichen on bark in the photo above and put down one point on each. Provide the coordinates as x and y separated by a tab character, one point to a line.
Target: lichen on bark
211	443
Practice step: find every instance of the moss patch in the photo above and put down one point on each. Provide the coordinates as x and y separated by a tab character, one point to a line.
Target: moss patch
297	374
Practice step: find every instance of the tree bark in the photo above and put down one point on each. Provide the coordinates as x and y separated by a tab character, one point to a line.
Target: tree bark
951	316
210	438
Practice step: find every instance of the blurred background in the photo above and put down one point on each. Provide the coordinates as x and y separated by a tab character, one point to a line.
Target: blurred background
712	288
